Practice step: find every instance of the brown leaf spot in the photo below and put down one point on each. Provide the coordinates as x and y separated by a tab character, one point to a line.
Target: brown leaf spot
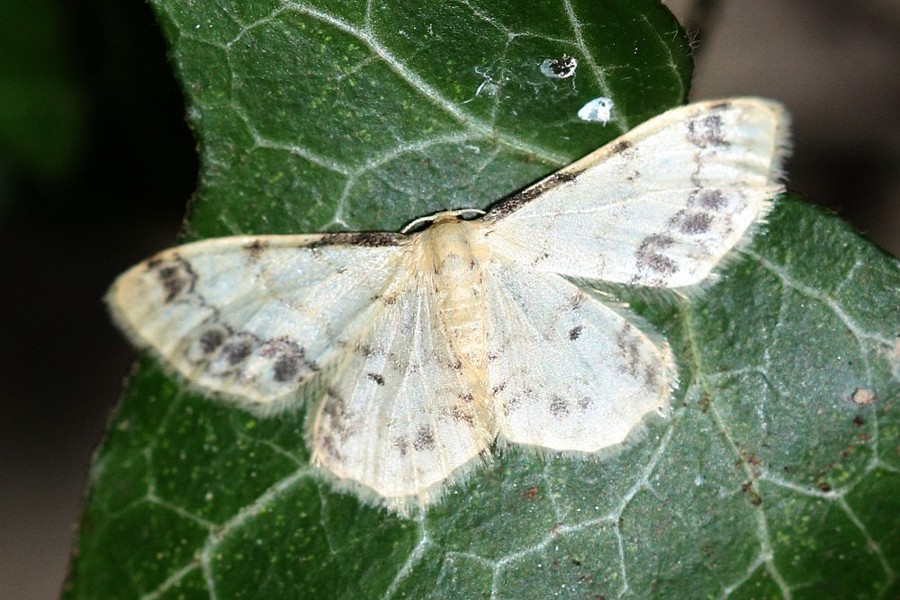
863	397
704	403
751	493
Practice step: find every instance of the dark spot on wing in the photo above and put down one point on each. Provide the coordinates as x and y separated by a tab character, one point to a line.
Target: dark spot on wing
575	332
585	403
411	369
211	339
462	412
652	375
577	300
513	203
368	350
628	342
237	351
621	146
175	276
558	406
539	258
289	357
424	439
513	403
286	367
331	448
707	131
402	446
710	199
691	223
388	300
334	405
255	248
363	238
377	378
650	255
697	223
335	418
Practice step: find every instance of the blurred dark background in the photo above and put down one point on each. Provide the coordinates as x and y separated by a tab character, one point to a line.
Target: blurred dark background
97	163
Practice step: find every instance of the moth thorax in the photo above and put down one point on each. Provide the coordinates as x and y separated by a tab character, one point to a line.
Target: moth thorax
458	253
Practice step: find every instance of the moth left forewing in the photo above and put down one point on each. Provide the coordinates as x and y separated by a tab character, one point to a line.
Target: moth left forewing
254	318
398	423
660	206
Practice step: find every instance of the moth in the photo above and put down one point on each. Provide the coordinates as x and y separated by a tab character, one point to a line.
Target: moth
415	353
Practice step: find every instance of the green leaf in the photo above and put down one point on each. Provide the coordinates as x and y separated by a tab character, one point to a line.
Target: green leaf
768	480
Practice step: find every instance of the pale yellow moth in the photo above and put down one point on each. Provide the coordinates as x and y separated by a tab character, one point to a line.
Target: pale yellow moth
414	353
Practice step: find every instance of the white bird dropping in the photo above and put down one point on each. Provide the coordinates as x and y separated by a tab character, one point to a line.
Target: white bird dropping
559	68
414	353
598	110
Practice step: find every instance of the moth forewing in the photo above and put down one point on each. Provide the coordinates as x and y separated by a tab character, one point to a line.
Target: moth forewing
658	207
252	318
